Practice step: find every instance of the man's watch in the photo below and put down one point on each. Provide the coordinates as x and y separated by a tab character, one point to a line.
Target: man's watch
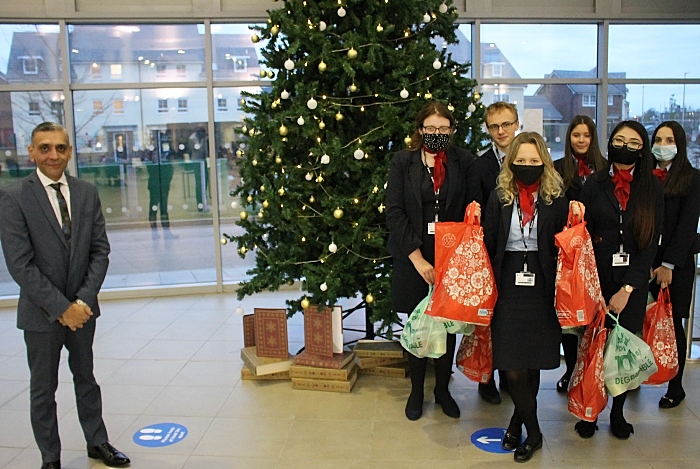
628	288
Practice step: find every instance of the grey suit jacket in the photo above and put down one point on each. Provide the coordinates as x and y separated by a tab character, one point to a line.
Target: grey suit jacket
50	275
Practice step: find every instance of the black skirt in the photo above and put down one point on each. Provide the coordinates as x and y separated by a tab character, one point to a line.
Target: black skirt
525	330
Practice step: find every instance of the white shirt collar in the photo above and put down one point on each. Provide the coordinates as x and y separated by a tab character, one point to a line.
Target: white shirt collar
500	156
46	181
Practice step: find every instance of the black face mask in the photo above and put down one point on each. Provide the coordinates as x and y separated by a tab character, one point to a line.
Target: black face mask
623	155
527	174
436	142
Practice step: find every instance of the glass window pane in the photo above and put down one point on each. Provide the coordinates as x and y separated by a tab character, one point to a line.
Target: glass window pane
462	51
655	51
141	53
653	104
235	56
538	50
228	143
151	170
29	53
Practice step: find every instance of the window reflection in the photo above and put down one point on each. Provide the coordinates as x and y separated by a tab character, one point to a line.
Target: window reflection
235	56
29	53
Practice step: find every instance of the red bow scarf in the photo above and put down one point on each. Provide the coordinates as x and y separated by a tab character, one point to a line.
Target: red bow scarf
583	169
527	200
661	173
439	169
622	179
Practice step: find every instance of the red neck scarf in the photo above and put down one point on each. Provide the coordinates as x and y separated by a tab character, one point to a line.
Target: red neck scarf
583	168
622	179
527	200
661	173
439	169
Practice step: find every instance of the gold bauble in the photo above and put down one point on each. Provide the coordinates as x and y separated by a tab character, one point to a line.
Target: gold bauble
353	88
283	130
369	298
339	117
281	191
275	29
477	96
244	215
312	199
262	188
263	73
380	28
278	160
321	125
428	95
338	213
249	198
322	66
260	214
407	141
270	74
352	53
265	204
223	241
239	153
255	38
305	303
254	162
273	105
242	250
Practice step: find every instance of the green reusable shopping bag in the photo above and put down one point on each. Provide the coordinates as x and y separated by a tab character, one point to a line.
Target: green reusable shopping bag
422	335
628	360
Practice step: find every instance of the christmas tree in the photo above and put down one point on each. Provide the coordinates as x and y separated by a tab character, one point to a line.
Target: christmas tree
349	78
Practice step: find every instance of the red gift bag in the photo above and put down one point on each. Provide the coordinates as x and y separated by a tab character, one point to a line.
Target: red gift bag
587	394
475	355
660	336
577	295
465	288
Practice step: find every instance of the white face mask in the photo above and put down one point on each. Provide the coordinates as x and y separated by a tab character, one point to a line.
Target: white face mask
664	153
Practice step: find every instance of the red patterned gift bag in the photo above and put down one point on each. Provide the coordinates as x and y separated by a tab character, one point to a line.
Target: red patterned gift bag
474	356
660	336
465	289
578	293
587	394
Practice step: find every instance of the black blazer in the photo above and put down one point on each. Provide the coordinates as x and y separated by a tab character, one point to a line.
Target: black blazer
574	191
404	215
481	180
603	224
680	226
550	221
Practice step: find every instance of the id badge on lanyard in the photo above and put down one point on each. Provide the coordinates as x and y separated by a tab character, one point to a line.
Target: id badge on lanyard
525	278
621	258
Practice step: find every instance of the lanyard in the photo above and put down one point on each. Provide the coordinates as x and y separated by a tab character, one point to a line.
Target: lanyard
622	237
432	179
522	229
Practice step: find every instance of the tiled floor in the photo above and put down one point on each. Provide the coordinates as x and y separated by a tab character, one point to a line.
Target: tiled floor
177	360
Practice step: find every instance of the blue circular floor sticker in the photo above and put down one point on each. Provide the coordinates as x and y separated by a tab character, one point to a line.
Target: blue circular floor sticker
489	440
160	434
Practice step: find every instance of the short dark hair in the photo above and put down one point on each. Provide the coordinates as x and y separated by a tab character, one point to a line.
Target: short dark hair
49	127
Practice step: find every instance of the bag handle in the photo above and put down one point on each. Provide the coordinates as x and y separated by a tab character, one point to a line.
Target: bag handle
664	296
470	214
574	220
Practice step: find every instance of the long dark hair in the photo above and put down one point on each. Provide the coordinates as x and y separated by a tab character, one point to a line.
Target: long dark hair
433	108
595	158
681	174
642	186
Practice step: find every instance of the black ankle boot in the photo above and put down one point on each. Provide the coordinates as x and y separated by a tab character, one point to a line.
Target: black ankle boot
414	405
448	404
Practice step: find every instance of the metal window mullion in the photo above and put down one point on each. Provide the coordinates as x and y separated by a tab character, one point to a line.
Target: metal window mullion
68	122
476	50
602	69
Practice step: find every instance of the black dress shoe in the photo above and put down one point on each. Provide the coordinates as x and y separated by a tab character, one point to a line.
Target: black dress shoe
669	403
524	452
511	441
110	456
489	393
51	465
414	406
620	428
448	404
585	429
563	384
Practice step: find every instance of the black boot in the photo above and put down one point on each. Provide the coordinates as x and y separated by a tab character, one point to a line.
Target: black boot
416	371
443	372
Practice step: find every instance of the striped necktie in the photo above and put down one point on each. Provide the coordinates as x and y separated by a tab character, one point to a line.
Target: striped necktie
63	206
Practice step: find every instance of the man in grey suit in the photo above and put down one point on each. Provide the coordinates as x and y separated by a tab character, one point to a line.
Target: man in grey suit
56	248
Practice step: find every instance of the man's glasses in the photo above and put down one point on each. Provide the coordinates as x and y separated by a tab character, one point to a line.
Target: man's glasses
632	145
505	126
435	130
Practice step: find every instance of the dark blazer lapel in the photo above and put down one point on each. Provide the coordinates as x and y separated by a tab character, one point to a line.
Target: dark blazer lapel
493	162
454	173
543	212
75	210
43	201
609	189
506	215
415	171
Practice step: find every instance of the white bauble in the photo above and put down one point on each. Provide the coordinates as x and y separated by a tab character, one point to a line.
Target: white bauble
426	18
289	64
284	94
325	159
322	26
442	8
437	64
333	247
404	93
300	121
471	108
323	286
309	176
341	12
312	104
239	311
359	154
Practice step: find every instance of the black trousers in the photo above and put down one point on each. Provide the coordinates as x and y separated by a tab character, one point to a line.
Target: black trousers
43	355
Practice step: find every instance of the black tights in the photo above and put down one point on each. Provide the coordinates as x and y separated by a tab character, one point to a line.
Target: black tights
675	386
569	343
523	386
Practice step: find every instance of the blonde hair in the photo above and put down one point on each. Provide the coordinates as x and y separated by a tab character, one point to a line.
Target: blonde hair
500	106
551	184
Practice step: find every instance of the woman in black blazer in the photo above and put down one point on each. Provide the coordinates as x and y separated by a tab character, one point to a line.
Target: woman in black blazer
427	183
624	216
582	157
674	265
522	216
